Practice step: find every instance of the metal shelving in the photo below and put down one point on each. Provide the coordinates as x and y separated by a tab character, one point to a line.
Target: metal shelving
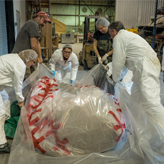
34	6
158	39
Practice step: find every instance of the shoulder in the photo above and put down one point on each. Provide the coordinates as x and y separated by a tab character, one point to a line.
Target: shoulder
31	23
123	32
123	37
106	35
57	53
74	55
96	34
19	63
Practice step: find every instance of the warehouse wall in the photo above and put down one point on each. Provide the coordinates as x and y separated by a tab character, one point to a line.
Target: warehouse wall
74	10
3	31
134	13
19	9
73	21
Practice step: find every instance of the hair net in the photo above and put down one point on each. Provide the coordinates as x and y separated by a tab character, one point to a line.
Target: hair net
103	22
67	46
28	55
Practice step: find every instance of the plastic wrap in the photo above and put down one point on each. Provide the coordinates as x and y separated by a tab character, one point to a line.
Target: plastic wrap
162	88
98	77
141	142
73	120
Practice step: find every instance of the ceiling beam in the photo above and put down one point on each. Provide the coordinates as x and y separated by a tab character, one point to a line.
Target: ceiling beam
110	5
68	15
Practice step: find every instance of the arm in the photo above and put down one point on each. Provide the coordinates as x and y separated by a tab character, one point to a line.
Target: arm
35	45
119	58
53	61
111	46
75	65
110	52
163	63
19	72
95	48
106	55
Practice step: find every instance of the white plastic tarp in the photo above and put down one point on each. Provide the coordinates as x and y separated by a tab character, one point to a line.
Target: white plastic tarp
141	143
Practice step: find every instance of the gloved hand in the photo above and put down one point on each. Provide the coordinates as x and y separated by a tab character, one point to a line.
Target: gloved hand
104	57
106	67
114	83
71	81
99	59
53	73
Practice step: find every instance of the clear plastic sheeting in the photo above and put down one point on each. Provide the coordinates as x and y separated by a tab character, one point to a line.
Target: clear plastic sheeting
162	88
140	141
72	120
98	77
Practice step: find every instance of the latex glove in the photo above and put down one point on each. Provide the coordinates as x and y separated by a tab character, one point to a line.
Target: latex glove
114	83
104	57
99	59
106	67
53	73
71	81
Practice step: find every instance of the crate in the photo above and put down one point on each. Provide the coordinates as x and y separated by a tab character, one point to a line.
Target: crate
67	38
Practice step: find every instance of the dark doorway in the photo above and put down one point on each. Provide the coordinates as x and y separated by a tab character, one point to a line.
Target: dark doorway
10	24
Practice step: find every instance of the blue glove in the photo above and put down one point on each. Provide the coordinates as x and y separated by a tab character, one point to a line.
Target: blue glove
71	81
53	73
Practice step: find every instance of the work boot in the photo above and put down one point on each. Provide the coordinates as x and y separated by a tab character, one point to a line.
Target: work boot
6	148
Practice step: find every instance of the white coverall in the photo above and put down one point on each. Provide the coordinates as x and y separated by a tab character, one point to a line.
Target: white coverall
12	71
6	101
163	60
64	70
136	54
125	76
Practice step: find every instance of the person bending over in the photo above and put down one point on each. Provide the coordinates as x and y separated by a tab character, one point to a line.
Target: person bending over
64	64
12	70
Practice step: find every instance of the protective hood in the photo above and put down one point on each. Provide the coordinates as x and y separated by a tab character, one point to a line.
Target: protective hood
28	55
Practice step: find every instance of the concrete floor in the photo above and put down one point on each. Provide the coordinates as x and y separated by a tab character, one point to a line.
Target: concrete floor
4	157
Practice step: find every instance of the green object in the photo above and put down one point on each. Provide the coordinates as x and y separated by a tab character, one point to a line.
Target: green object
14	109
11	123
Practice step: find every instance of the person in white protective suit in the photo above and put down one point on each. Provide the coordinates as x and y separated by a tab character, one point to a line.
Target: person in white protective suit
12	71
64	64
136	54
125	76
163	64
6	102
